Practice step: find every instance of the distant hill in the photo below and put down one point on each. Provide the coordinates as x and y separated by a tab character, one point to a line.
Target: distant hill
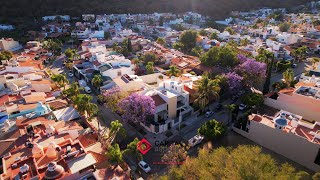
20	9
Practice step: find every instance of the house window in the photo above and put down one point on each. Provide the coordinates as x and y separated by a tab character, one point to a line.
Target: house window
172	87
119	73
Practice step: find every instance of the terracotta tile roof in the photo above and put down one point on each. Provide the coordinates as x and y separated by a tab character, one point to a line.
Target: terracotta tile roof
21	123
33	98
24	107
42	81
158	100
305	84
288	91
4	99
58	104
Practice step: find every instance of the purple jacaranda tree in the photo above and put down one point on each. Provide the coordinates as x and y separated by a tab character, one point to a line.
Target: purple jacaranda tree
112	98
137	107
251	70
234	81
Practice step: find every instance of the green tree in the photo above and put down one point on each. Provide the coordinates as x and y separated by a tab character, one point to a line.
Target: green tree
129	45
268	58
197	51
202	32
175	154
288	76
116	130
71	54
107	35
173	71
97	81
148	57
72	91
114	154
6	55
84	105
60	79
161	41
178	46
188	39
243	162
244	42
212	129
69	65
53	46
284	27
299	53
207	89
132	150
231	108
150	68
223	56
214	35
230	30
253	99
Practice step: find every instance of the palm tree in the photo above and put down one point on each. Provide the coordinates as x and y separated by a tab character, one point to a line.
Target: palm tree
60	79
231	108
72	91
173	71
208	89
85	106
97	80
150	68
288	76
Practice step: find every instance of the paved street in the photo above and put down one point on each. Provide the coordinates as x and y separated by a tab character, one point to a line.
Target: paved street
301	68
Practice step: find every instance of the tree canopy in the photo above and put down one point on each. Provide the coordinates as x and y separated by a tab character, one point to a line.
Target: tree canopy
212	129
137	108
243	162
188	39
223	56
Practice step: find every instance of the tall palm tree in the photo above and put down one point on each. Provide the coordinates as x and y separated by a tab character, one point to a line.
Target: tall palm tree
82	102
208	89
173	71
97	80
231	108
288	76
60	79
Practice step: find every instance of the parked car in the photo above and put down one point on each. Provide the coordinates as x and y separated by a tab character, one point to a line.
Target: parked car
209	113
70	74
219	107
197	139
242	107
144	166
87	89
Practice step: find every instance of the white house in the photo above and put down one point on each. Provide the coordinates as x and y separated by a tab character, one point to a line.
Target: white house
50	18
9	44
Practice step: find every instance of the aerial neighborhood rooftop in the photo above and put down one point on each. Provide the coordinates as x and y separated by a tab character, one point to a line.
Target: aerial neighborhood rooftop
112	96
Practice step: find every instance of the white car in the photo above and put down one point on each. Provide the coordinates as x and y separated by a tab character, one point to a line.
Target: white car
197	139
209	113
87	89
70	74
242	107
144	166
